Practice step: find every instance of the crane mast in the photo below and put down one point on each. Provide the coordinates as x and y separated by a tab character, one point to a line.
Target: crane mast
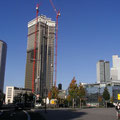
34	56
56	38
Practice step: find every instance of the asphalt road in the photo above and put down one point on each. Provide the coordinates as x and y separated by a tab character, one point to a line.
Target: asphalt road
20	115
61	114
13	115
81	114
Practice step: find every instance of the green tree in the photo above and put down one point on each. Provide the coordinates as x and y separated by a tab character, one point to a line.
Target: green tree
1	98
72	90
81	93
18	98
106	95
31	97
25	97
112	99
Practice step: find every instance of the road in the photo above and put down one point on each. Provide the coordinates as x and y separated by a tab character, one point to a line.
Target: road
61	114
20	115
81	114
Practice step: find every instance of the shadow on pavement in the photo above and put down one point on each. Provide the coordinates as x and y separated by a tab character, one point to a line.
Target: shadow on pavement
62	114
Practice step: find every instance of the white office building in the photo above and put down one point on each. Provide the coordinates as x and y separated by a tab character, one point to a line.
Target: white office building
115	70
103	71
12	91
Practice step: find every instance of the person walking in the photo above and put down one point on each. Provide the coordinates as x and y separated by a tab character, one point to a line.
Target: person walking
117	107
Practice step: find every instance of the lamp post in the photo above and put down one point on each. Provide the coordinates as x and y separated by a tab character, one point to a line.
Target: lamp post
99	96
45	94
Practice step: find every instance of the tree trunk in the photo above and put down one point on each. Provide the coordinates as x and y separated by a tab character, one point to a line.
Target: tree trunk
73	102
80	103
68	103
106	104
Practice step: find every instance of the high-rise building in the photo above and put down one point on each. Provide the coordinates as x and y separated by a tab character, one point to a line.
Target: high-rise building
103	71
115	70
3	52
44	67
107	71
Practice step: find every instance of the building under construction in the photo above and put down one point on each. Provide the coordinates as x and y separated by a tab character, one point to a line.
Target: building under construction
44	57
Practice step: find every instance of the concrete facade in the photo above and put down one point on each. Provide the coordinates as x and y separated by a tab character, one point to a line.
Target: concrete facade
12	91
44	55
115	70
103	71
3	52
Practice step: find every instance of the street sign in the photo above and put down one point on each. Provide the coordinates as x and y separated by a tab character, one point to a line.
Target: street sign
118	96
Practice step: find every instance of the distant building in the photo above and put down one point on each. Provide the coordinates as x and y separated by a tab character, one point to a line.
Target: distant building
44	67
62	94
115	70
3	52
12	91
103	71
60	86
93	91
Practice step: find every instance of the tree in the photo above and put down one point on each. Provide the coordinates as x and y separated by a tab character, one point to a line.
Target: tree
54	93
31	97
106	95
72	90
18	98
1	98
81	93
112	99
69	100
99	100
49	95
25	97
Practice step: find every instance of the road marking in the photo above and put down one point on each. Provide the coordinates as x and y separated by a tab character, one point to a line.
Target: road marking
28	116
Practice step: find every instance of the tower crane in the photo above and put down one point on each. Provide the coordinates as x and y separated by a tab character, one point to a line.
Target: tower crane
35	42
56	37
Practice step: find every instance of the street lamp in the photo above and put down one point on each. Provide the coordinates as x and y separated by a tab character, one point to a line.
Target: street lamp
99	95
45	95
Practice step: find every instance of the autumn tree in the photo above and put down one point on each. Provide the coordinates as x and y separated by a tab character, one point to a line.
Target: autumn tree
49	96
72	90
81	93
54	93
69	100
99	100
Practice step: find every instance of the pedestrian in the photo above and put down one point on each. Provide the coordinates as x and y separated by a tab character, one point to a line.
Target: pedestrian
117	107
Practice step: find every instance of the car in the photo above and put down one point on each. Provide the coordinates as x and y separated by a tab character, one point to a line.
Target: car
38	105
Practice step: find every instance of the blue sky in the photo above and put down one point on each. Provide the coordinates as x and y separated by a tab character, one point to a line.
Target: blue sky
89	30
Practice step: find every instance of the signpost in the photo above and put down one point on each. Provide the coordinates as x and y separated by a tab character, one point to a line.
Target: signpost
118	96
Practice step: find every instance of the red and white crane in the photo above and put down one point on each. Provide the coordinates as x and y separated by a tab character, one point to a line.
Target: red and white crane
56	37
34	56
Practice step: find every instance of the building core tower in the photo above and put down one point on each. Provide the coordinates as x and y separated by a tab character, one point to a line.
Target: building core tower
3	52
44	66
103	71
